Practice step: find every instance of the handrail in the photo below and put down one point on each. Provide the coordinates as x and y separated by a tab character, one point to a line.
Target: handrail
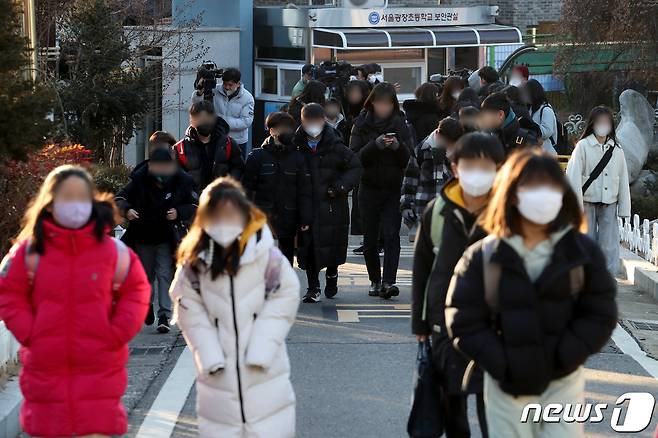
641	237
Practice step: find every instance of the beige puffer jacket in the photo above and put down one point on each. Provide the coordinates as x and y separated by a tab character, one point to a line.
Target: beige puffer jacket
232	326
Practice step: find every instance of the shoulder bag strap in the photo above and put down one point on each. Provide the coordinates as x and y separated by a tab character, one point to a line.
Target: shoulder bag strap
596	172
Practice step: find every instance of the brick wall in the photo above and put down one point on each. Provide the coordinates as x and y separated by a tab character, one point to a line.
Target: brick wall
520	13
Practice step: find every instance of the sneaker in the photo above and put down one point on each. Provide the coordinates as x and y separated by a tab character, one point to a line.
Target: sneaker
150	316
387	291
375	288
381	251
163	324
358	251
312	296
331	288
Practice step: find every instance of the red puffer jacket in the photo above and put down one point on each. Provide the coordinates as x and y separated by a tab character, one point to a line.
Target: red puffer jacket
74	339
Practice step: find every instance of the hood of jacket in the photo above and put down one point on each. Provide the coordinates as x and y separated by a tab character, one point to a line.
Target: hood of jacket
367	120
327	141
269	145
221	129
339	119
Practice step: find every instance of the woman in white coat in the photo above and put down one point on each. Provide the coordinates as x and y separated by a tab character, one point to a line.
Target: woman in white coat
235	299
542	114
606	196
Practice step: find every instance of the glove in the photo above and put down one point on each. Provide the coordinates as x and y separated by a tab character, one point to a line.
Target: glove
409	215
380	142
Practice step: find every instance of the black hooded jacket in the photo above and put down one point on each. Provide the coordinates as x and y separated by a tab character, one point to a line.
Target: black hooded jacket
383	169
277	179
207	161
423	116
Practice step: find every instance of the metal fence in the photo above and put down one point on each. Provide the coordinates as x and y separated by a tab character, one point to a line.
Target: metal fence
641	237
8	347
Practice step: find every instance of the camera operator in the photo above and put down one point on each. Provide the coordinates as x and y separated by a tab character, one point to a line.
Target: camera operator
307	75
234	104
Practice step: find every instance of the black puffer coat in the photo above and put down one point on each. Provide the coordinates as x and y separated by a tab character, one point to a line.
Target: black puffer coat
423	116
205	162
277	179
383	169
541	332
152	202
430	281
332	165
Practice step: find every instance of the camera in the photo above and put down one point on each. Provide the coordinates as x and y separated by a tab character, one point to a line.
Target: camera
335	75
462	74
206	79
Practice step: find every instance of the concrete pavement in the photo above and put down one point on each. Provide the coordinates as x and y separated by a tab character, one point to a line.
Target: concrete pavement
354	379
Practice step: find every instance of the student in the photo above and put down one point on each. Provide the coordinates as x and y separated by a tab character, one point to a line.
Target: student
277	179
519	76
543	115
207	152
158	202
157	140
424	112
496	116
73	297
531	302
335	170
468	117
235	301
606	192
448	227
335	118
452	88
314	92
429	168
489	81
382	139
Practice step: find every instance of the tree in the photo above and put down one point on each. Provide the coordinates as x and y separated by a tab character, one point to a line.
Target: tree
24	103
606	46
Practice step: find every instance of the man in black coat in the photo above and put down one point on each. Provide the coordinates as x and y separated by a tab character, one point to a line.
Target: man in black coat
335	170
277	179
448	227
158	201
496	116
207	152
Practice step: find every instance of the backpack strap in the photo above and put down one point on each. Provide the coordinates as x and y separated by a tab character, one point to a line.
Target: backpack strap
436	233
122	265
273	271
31	258
229	147
180	152
491	273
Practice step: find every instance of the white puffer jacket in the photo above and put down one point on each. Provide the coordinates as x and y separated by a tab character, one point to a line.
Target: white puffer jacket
238	111
231	325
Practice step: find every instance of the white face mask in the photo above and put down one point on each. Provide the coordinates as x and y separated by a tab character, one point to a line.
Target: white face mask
602	129
313	130
476	182
455	94
515	81
376	77
224	234
540	205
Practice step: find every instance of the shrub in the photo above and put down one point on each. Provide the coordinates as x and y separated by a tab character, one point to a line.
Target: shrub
646	206
111	179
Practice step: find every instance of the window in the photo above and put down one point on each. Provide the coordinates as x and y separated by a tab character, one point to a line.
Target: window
276	80
409	78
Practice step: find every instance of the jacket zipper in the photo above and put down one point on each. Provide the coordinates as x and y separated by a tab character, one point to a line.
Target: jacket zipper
70	331
237	349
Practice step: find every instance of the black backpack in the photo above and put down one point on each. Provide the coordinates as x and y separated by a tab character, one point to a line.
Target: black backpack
561	146
530	131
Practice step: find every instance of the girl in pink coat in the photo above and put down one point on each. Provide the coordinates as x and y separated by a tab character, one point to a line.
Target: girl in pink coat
73	297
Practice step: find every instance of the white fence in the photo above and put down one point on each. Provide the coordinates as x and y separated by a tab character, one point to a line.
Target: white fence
8	346
640	237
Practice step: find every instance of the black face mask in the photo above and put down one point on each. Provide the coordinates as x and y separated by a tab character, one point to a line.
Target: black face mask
205	129
285	137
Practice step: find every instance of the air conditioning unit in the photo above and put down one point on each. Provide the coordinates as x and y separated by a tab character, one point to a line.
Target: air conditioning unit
365	4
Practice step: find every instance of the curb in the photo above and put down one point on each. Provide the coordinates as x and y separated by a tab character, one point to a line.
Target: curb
10	403
640	272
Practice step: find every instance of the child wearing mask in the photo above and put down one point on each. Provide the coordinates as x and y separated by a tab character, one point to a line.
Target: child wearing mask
235	299
335	170
277	180
73	297
335	118
448	227
429	168
158	202
533	301
597	171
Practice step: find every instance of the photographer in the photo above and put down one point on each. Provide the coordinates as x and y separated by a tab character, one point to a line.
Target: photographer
307	75
234	104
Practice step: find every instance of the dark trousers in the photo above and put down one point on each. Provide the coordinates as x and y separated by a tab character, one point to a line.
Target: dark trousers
355	215
313	271
287	247
456	416
380	211
243	150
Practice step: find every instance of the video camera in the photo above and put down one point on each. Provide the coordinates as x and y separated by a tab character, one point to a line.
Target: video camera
335	75
462	74
206	79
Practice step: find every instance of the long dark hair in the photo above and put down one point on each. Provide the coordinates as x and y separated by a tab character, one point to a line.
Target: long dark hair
427	92
596	112
104	212
381	91
446	101
502	218
536	93
353	110
220	192
313	92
